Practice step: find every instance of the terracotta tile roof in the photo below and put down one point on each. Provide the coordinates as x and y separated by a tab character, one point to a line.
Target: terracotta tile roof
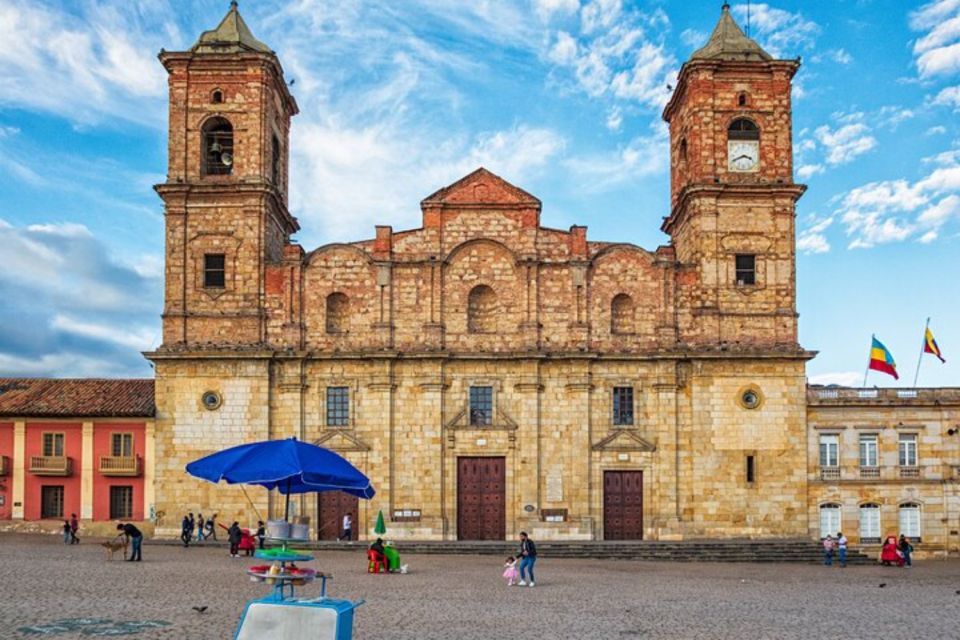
58	397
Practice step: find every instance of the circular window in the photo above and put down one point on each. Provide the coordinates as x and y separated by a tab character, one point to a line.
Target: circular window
211	400
750	398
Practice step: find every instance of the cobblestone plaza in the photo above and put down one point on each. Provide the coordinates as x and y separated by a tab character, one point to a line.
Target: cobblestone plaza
447	597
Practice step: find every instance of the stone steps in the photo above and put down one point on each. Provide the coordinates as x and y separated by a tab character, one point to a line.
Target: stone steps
793	551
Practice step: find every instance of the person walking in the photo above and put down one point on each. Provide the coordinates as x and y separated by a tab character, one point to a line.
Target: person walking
185	531
200	523
905	550
66	532
135	537
842	549
261	533
234	535
74	527
528	557
193	524
347	528
828	546
212	527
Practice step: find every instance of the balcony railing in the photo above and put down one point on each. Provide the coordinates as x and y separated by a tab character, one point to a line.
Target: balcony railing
4	466
909	472
829	473
869	473
51	465
120	465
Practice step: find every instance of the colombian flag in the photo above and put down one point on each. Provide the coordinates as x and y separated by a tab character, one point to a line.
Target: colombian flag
882	360
930	345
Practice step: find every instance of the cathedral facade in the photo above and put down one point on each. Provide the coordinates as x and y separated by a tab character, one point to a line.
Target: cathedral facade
492	375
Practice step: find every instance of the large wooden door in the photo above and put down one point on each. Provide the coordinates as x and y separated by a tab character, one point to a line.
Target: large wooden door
331	507
481	499
622	505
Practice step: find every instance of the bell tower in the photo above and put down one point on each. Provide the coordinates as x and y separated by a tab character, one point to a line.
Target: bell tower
732	194
226	190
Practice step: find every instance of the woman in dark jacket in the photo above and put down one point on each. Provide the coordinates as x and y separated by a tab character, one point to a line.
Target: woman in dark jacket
235	535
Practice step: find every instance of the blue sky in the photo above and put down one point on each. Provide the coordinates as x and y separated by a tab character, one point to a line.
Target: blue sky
561	97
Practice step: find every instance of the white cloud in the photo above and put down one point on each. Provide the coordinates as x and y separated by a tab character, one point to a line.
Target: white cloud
614	119
948	97
89	66
642	156
693	38
937	52
600	14
840	56
69	309
809	170
613	57
937	130
813	239
546	9
780	33
842	378
845	143
898	210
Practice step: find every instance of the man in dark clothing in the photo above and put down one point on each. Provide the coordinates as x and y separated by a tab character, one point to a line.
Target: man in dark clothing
212	528
234	535
185	531
74	527
135	537
200	523
261	533
528	556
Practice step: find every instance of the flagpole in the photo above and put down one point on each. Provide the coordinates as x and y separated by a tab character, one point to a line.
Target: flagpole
922	349
869	357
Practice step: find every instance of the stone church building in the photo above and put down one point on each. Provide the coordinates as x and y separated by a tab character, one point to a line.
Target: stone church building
490	374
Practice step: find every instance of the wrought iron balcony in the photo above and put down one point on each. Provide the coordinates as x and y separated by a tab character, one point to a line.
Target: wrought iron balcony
120	465
51	465
829	473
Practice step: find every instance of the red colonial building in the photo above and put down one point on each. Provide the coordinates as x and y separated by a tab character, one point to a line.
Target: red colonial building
76	446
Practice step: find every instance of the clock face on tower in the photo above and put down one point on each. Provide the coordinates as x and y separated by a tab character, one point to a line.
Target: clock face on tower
743	155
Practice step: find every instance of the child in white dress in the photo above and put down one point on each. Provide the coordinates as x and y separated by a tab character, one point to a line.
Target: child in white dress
510	571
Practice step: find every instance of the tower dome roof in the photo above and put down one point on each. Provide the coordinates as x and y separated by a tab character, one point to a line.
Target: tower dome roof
232	35
728	42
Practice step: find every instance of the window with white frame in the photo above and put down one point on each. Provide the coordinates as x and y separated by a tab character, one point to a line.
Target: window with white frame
868	450
910	520
829	450
829	520
869	524
907	448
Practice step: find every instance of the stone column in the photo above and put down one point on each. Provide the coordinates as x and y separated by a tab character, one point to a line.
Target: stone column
19	467
86	473
149	469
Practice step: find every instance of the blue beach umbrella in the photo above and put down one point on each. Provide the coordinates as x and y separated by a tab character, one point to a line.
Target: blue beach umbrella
290	466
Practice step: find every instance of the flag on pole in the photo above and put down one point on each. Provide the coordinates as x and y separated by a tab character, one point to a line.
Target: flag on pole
882	360
930	345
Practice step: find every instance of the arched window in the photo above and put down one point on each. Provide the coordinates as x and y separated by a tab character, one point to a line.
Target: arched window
870	523
275	161
742	99
217	96
217	147
621	314
338	310
829	519
683	150
482	310
910	520
743	129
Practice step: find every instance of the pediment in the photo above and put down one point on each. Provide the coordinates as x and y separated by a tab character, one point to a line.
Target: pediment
624	440
341	441
482	188
501	422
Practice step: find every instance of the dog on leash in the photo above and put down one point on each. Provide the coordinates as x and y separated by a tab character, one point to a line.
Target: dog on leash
112	546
